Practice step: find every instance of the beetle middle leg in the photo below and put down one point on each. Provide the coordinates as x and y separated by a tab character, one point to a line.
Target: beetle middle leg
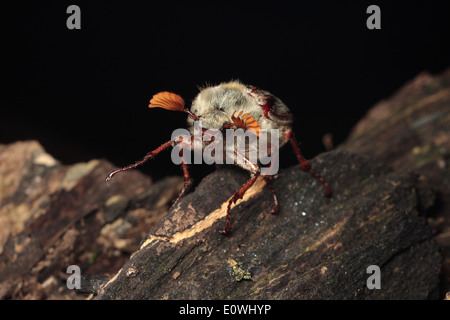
186	176
268	178
276	207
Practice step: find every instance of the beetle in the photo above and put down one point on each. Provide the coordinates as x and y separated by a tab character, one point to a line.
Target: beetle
232	105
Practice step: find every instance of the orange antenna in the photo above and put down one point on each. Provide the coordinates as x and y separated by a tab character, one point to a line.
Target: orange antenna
170	101
246	122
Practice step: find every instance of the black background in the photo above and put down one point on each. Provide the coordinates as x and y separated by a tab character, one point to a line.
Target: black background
84	93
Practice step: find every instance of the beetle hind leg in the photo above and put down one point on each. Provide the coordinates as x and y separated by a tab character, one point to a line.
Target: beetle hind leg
305	165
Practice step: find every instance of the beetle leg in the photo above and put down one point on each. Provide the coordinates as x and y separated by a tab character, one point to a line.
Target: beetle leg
238	194
276	207
268	179
147	157
304	165
187	179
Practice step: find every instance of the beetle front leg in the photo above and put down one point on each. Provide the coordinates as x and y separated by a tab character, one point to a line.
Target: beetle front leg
239	194
147	157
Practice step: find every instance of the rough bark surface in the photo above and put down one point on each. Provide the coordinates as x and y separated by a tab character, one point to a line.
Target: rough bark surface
53	216
316	248
390	207
410	132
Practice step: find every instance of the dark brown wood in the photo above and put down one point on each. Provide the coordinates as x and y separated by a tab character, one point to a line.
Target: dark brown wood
410	131
53	216
315	248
